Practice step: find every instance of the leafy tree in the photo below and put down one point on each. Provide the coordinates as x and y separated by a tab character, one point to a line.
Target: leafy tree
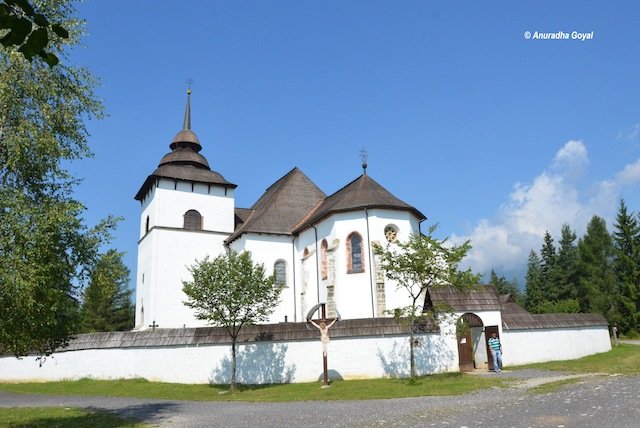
106	302
534	292
421	263
626	238
46	250
505	287
29	30
231	291
597	282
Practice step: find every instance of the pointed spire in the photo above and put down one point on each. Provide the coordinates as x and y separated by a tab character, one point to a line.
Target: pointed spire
187	112
186	137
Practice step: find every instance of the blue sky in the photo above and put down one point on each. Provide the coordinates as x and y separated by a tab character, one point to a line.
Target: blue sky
494	136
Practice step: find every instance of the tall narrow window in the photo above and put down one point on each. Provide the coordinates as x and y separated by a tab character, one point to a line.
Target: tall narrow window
323	262
192	220
355	261
280	271
146	225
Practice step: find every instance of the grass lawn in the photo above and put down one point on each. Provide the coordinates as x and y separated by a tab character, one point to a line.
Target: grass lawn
16	417
441	384
623	359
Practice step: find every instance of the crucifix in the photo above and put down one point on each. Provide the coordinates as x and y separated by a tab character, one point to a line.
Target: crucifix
364	155
323	324
153	325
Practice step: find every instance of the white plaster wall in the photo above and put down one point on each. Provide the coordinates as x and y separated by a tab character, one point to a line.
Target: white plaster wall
259	362
532	346
267	249
164	263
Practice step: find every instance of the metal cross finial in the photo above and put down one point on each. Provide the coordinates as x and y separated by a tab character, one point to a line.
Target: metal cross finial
364	155
154	325
189	83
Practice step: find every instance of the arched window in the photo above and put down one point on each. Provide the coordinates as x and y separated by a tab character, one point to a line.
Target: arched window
323	261
192	220
280	272
355	259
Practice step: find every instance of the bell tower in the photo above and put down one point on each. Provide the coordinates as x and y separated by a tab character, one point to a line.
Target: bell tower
187	211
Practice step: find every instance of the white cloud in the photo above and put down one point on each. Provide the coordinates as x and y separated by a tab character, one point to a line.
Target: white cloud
630	174
551	199
631	133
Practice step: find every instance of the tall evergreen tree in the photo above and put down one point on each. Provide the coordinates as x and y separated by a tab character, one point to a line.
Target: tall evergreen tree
505	287
534	293
566	262
107	302
597	290
626	238
548	258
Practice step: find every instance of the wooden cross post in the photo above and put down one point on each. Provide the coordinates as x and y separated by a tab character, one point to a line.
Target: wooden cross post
323	325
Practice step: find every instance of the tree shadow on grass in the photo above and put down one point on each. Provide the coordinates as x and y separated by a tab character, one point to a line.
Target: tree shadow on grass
76	417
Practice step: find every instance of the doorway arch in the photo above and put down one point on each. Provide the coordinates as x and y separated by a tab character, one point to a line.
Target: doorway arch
469	333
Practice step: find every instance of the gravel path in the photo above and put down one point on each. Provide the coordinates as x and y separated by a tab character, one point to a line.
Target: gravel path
594	401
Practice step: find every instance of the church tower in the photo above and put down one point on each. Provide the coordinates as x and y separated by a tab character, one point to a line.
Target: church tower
187	213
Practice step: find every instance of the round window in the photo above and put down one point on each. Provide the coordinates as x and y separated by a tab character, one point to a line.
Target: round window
391	233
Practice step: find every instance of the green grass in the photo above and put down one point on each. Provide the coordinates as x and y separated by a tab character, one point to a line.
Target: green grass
441	384
623	359
22	417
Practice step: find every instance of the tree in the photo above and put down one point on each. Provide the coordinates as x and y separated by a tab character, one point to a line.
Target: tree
597	282
566	262
421	263
46	250
231	291
505	287
106	302
534	292
626	239
29	30
548	269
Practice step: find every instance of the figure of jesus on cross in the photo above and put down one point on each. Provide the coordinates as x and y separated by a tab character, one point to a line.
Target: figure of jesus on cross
324	335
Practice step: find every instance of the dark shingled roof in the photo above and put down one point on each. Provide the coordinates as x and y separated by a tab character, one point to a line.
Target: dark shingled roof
250	333
184	162
283	205
481	298
363	192
514	317
529	321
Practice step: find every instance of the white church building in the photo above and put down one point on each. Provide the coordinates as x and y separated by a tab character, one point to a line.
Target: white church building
320	247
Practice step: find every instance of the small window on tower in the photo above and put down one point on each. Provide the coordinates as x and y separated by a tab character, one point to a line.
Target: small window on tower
192	220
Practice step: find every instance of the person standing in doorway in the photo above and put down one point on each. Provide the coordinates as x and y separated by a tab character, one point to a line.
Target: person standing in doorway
496	352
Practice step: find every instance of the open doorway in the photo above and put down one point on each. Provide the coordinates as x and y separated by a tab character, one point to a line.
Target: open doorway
470	337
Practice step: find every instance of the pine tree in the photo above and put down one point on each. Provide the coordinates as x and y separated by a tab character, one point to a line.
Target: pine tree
548	260
107	302
626	237
597	291
505	287
567	260
534	292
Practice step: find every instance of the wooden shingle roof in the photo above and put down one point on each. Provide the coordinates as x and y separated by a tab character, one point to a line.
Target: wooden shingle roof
481	298
283	205
363	192
250	333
